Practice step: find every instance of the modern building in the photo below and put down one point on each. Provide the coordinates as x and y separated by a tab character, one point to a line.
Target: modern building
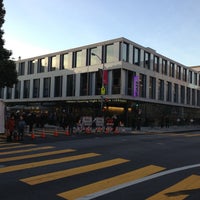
111	77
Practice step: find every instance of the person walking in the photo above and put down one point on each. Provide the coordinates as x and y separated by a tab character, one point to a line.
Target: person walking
10	127
20	127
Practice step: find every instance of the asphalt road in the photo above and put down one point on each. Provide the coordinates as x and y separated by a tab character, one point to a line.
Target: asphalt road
154	166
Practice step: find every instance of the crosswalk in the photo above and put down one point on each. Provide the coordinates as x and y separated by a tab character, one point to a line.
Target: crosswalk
16	157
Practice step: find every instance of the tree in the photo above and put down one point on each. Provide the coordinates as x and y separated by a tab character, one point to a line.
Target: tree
8	73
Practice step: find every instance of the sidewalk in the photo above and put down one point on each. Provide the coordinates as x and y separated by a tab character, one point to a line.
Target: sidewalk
171	129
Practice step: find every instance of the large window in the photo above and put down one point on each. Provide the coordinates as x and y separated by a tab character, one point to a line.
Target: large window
85	84
193	97
171	70
1	93
26	89
41	65
143	87
161	90
78	59
52	63
17	90
164	67
176	93
64	61
8	93
21	70
178	72
156	64
136	56
169	91
98	82
58	86
47	87
94	56
125	52
116	81
36	88
188	95
110	53
185	75
71	85
152	87
147	60
31	65
182	94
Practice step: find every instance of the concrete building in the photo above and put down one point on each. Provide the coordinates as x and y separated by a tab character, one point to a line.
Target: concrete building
111	77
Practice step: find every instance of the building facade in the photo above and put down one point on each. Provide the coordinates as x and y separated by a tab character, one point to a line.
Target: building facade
138	80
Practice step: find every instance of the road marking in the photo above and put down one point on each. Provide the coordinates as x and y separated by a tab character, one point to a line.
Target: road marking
90	191
46	162
102	191
26	150
15	147
179	191
36	155
70	172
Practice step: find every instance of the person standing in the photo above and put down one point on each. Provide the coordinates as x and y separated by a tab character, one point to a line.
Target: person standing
10	127
20	127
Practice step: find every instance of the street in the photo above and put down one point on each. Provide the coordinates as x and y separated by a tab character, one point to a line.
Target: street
144	166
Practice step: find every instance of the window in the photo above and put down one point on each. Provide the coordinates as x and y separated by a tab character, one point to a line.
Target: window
171	70
21	68
161	90
193	97
185	75
36	88
164	67
152	88
176	93
64	61
71	85
26	93
143	81
136	56
47	87
188	95
58	86
198	97
1	93
195	78
125	52
190	76
178	72
41	65
31	65
129	82
156	63
116	81
146	60
109	53
52	63
17	90
98	82
77	59
182	94
8	93
169	91
96	57
85	84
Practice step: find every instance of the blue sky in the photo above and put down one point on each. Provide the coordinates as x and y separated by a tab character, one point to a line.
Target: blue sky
37	27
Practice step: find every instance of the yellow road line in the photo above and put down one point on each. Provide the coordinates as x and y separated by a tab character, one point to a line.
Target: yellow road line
179	191
26	150
70	172
36	155
15	147
46	162
110	182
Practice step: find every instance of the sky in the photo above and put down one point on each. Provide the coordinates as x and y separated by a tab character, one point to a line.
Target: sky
37	27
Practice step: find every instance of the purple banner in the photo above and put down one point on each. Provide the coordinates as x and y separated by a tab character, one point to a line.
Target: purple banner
136	86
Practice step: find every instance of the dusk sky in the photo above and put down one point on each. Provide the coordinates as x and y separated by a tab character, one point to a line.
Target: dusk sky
37	27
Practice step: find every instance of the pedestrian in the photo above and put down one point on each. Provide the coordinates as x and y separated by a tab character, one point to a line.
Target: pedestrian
10	127
20	127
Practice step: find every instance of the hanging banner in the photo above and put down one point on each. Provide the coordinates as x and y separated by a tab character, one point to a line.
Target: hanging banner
105	77
136	85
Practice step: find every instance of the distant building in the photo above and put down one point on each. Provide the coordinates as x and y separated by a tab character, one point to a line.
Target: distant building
110	77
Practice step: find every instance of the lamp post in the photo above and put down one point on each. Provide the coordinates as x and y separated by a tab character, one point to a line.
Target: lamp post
103	90
102	74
